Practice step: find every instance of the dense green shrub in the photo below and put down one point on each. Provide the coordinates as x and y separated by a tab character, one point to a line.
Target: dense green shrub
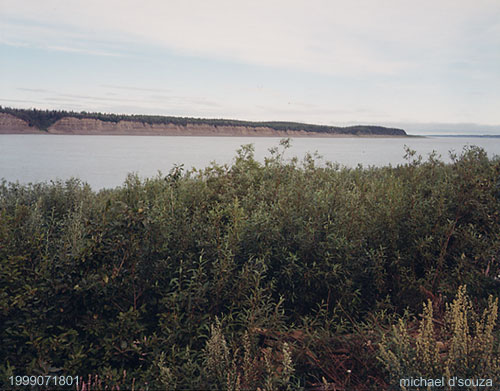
126	284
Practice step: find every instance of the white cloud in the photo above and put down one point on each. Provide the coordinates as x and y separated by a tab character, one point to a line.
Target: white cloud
346	37
401	60
59	38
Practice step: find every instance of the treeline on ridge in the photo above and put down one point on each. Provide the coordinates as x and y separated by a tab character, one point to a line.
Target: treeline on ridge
43	119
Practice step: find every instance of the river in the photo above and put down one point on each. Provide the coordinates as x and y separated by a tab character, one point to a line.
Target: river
105	161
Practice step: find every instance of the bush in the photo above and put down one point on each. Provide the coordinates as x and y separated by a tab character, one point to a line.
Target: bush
126	284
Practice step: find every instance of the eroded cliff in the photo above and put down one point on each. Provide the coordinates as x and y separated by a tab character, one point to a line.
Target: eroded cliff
10	124
26	121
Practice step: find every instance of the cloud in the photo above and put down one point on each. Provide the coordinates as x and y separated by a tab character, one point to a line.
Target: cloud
129	88
355	37
137	101
30	33
37	90
361	60
82	51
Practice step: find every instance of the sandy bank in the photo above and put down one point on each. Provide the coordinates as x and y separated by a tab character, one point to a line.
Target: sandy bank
10	124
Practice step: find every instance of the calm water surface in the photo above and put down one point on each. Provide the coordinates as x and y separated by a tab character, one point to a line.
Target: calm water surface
105	161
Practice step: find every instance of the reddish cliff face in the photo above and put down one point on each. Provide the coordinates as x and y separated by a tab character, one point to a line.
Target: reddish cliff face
69	125
13	125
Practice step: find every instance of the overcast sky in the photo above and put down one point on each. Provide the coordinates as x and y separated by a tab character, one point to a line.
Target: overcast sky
422	65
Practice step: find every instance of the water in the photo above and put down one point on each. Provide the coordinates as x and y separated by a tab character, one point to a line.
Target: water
105	161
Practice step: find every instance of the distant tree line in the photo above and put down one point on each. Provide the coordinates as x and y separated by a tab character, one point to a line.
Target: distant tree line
43	119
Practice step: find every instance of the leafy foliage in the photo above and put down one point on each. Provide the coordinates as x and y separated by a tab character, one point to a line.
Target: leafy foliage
270	273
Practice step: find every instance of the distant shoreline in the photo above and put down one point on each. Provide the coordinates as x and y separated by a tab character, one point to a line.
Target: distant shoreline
21	121
135	134
465	135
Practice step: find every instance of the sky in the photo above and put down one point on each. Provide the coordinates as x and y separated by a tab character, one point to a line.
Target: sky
427	66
